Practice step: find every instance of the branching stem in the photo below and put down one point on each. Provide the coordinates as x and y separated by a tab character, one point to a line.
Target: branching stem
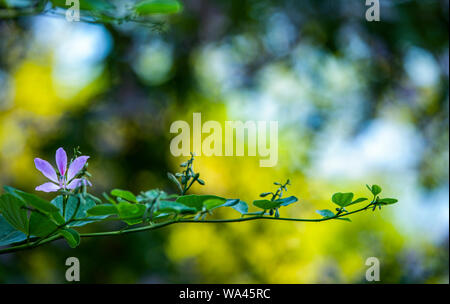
51	238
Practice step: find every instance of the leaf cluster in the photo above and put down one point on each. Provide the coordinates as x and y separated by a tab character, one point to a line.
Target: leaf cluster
28	221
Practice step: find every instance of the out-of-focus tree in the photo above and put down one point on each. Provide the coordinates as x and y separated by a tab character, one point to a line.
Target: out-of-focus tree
355	100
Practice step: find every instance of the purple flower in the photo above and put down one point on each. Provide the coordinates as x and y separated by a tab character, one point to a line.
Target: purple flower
64	179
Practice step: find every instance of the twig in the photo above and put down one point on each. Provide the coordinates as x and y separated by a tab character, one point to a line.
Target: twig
52	238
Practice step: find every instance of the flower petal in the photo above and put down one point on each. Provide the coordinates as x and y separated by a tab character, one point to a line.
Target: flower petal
77	182
46	169
48	187
61	161
76	166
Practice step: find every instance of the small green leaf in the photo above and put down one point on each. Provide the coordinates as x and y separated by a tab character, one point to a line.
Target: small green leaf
264	194
325	213
124	194
213	203
8	234
95	199
344	219
266	204
32	200
72	237
153	194
41	225
38	203
57	218
103	209
149	7
387	201
175	181
236	204
77	203
342	199
174	207
197	201
131	213
109	198
375	189
241	207
13	211
287	200
359	200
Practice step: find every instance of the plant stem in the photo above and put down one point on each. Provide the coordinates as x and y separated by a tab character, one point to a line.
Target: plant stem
52	238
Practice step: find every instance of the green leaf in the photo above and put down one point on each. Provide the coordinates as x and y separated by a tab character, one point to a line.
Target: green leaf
342	199
77	203
266	204
325	213
72	237
237	205
241	207
109	198
175	181
149	7
174	207
264	194
95	199
124	194
57	218
102	210
13	212
344	219
375	189
32	200
41	225
213	203
287	200
197	201
153	194
9	235
387	201
359	200
131	213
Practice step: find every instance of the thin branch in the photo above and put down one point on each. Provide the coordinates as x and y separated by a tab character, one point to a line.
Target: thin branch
48	239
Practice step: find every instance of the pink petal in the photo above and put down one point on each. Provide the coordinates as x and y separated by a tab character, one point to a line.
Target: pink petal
48	187
78	182
75	184
46	169
61	161
76	166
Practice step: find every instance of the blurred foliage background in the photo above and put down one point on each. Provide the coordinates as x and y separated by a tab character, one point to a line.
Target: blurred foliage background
357	102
